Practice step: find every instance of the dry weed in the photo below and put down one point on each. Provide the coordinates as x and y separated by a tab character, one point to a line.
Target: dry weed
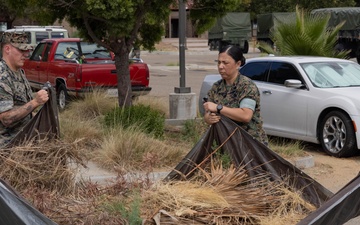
89	203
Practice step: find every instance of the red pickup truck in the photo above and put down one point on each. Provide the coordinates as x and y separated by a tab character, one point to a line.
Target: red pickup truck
75	67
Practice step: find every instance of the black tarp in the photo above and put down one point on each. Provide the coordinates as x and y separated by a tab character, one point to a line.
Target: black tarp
257	158
339	209
15	210
45	124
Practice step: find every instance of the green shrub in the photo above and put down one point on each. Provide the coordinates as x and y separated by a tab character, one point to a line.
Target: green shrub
149	120
193	130
129	210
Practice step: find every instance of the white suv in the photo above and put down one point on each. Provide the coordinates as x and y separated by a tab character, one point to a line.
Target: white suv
38	33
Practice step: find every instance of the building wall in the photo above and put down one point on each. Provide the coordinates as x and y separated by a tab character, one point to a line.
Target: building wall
172	26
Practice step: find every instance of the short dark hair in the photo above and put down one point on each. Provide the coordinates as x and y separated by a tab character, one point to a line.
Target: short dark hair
234	52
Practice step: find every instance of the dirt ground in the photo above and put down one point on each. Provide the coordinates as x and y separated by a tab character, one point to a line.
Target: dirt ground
333	173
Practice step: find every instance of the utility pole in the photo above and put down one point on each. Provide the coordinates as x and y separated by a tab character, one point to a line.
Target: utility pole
182	47
182	102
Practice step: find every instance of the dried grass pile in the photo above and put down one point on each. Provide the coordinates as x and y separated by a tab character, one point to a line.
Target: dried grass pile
224	196
44	173
44	164
89	203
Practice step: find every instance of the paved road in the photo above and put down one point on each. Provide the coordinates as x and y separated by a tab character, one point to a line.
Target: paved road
164	72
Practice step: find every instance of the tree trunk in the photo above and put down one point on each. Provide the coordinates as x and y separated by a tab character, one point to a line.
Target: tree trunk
123	77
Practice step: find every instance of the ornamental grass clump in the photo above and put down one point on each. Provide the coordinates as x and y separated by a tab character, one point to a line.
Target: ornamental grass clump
131	148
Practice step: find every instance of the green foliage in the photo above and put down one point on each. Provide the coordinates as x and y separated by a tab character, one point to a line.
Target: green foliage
129	211
116	25
224	158
306	35
193	130
149	120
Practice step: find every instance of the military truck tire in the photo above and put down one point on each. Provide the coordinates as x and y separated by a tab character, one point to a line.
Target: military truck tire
246	47
217	45
357	54
212	46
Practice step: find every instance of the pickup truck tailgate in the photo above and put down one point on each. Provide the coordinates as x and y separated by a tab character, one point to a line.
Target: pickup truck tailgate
95	75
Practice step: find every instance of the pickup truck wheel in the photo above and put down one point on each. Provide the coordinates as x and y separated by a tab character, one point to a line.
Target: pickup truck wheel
62	96
337	135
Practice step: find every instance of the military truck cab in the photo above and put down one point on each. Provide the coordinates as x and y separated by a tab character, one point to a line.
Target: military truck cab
232	29
348	38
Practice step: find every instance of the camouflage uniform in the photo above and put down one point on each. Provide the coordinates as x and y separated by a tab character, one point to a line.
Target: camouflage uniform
15	90
230	96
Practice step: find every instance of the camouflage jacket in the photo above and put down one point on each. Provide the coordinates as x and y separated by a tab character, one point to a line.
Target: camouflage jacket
14	91
230	96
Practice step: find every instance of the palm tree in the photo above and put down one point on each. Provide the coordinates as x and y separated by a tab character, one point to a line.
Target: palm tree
306	35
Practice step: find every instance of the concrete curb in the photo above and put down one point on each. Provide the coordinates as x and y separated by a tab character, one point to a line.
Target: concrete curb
304	162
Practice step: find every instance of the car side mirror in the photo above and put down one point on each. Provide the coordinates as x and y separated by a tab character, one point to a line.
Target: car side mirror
293	83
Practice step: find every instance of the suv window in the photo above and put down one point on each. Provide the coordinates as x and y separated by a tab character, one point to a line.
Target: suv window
255	70
40	36
281	71
55	34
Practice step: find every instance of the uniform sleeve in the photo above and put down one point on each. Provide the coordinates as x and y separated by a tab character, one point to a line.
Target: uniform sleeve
248	103
6	96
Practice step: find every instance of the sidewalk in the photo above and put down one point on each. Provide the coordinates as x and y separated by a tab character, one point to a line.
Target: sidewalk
98	175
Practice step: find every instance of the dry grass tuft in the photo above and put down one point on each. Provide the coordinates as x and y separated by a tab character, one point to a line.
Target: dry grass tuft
93	105
89	131
287	147
116	148
130	148
44	164
82	120
224	196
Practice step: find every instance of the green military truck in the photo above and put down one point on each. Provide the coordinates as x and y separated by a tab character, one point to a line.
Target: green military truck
349	34
232	29
266	23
